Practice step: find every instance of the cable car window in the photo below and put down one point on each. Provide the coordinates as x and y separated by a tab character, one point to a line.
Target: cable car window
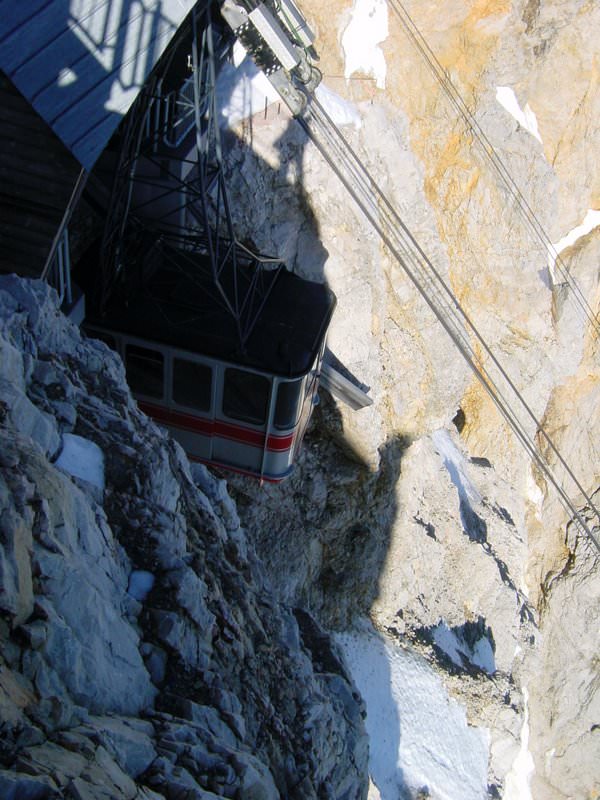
286	407
144	368
192	384
246	396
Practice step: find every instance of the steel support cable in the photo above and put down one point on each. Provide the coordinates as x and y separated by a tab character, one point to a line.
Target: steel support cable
463	110
461	107
453	318
458	312
403	249
472	360
382	209
412	249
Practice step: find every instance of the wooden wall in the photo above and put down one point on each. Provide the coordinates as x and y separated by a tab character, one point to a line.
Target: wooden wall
37	176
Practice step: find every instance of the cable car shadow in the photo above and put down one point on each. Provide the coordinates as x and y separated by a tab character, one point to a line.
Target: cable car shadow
333	517
324	534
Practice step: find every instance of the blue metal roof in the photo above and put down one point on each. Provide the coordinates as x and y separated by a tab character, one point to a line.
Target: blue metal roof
81	63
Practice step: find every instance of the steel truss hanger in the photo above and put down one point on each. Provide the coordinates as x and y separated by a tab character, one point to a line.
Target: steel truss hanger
170	202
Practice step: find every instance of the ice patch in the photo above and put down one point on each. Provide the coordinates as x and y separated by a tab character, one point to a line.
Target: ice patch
525	117
83	459
517	784
419	737
368	27
341	111
455	464
591	221
140	584
480	653
242	90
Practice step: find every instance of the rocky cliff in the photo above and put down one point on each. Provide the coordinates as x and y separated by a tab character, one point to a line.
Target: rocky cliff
423	510
144	654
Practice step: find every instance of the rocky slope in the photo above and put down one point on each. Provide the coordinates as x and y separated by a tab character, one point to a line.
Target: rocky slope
143	652
421	511
424	509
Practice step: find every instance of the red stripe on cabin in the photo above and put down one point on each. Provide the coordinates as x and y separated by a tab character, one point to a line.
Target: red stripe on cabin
209	427
240	471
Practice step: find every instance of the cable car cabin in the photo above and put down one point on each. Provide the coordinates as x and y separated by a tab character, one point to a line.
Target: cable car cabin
245	410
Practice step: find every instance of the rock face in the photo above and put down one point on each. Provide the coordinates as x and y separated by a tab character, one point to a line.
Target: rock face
192	683
379	518
422	510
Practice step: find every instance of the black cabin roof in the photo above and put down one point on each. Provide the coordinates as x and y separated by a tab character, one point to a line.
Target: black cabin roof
180	306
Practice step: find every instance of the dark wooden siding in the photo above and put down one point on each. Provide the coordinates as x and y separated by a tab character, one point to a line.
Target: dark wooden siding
37	176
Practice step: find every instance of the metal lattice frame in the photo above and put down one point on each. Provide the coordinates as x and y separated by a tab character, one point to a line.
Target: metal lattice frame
158	124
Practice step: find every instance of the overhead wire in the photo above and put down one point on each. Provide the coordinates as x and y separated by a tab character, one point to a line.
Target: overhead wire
435	290
427	279
456	100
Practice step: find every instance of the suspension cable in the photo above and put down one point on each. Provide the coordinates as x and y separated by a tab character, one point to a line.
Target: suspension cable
427	279
456	100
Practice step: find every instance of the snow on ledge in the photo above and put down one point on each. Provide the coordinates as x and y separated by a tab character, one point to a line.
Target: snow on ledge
140	584
341	111
455	463
525	117
419	737
82	459
480	653
368	27
242	90
590	222
517	783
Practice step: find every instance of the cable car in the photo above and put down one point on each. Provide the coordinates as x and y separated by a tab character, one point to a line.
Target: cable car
222	347
240	408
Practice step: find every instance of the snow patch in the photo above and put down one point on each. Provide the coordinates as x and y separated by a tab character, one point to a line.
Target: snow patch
341	111
533	493
419	737
82	459
242	90
239	53
368	27
480	653
474	526
454	462
140	584
590	222
525	117
517	784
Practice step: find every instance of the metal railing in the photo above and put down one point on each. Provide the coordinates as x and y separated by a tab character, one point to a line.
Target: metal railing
57	269
59	272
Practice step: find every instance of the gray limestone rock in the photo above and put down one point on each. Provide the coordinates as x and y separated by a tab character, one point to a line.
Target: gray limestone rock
128	740
204	686
20	786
